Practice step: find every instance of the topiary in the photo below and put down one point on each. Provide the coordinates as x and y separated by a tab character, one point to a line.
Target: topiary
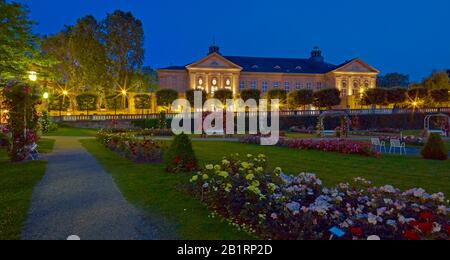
435	149
180	156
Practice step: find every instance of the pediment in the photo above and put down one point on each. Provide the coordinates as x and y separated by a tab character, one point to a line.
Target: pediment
213	61
356	66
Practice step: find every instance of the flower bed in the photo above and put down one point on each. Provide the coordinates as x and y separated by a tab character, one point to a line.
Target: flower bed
125	144
343	146
155	132
272	205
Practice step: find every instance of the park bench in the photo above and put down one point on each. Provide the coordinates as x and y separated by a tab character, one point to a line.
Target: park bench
396	143
379	145
213	132
328	133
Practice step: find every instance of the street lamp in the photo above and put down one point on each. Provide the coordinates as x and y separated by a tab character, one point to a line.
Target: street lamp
32	75
45	95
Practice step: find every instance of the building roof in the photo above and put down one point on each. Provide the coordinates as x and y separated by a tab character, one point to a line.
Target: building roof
313	65
281	65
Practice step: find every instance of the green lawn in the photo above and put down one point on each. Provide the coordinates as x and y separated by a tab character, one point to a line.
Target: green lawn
71	131
17	181
149	187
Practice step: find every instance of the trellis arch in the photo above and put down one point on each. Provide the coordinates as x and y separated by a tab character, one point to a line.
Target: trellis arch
345	121
426	124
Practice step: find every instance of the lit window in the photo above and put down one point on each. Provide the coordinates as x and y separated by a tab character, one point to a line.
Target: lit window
254	84
228	82
319	85
309	85
264	86
276	84
214	82
287	86
241	85
344	89
298	85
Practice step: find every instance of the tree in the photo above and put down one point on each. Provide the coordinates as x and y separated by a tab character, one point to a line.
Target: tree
223	95
59	103
440	96
279	94
437	80
90	55
327	98
300	98
392	80
87	102
396	96
18	46
142	101
254	94
123	36
374	96
165	97
190	96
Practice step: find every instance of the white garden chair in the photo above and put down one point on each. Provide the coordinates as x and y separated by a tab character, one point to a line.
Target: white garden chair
378	144
34	154
396	143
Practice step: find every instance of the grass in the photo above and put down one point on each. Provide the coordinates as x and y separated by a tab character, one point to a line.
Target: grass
149	187
17	181
71	131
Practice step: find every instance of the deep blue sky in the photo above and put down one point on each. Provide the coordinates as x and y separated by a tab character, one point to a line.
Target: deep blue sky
392	35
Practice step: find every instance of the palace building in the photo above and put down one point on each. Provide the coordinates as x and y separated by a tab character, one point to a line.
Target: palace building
216	71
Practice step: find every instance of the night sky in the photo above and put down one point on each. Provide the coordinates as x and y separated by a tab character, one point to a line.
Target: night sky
404	36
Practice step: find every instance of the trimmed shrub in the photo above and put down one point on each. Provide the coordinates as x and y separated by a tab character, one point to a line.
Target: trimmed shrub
190	96
327	98
180	156
434	148
223	95
87	102
165	97
247	94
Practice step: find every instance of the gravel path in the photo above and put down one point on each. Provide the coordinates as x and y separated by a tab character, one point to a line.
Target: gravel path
77	197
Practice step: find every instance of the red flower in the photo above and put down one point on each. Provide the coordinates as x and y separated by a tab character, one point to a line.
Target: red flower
426	228
411	235
426	215
447	228
177	160
413	223
190	166
356	231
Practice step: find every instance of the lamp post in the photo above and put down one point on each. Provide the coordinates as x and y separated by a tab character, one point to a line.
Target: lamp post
124	94
65	93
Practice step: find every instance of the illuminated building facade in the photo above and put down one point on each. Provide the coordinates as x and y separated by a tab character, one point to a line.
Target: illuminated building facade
216	71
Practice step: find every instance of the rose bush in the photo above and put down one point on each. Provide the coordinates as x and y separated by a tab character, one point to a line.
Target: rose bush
125	144
273	205
344	146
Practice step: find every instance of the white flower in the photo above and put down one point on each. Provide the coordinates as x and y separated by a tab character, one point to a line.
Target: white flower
436	227
372	219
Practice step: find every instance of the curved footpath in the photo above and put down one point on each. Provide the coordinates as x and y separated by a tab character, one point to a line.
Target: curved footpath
77	197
